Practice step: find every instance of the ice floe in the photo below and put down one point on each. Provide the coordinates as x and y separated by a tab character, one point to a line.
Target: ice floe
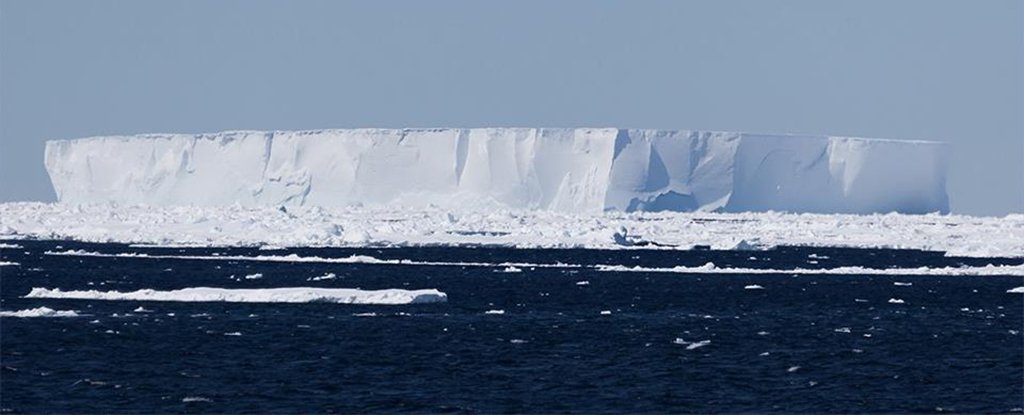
256	295
39	312
402	226
710	268
8	264
1018	290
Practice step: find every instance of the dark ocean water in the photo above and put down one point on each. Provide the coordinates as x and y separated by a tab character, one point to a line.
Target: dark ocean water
807	343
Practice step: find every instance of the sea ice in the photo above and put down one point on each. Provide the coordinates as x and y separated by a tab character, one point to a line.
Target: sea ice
256	295
184	226
39	312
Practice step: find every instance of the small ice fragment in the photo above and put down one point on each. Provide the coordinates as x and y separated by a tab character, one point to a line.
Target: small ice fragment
793	369
190	399
582	282
606	312
255	276
510	268
860	300
895	301
141	309
365	314
517	341
498	312
842	330
902	284
691	345
327	276
765	354
762	333
1018	290
753	287
234	333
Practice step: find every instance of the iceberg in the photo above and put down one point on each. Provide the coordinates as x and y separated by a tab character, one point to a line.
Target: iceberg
254	295
560	169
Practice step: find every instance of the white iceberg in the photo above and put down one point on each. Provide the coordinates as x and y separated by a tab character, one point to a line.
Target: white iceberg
255	295
564	169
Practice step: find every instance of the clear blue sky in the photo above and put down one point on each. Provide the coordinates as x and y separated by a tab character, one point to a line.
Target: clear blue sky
943	70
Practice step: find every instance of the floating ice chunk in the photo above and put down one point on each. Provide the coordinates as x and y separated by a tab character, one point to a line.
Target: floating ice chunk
606	312
8	264
895	301
141	309
233	333
1018	290
255	276
518	341
691	345
193	399
39	312
902	284
842	330
753	287
255	295
327	276
510	269
495	312
582	282
793	369
9	246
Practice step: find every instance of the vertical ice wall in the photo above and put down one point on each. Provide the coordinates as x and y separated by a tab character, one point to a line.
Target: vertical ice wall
584	169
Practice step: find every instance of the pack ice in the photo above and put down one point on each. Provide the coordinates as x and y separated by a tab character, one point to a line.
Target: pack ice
579	170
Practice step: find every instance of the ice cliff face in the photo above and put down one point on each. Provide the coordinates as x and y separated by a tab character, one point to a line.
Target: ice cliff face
584	169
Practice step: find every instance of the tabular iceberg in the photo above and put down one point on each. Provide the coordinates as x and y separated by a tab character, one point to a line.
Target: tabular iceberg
579	170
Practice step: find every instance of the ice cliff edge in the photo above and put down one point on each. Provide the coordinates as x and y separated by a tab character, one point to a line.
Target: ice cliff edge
581	169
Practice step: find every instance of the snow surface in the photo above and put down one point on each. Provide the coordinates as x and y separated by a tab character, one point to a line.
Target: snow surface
570	170
401	226
39	312
255	295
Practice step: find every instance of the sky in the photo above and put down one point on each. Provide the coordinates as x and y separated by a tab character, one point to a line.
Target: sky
951	71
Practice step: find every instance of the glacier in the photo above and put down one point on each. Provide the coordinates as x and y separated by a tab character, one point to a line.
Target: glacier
584	170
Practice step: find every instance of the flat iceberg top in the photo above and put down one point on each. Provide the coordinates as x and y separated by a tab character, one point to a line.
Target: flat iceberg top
562	169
